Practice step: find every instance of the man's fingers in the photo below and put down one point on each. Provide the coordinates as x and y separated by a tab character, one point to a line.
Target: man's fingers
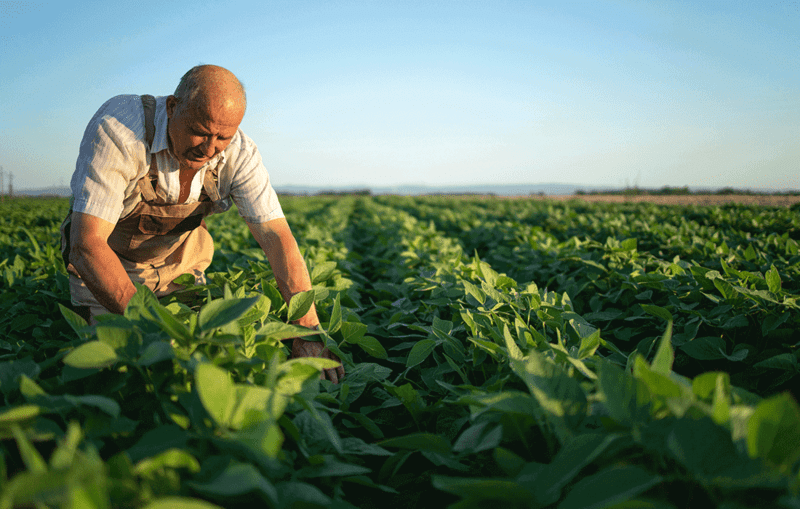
302	348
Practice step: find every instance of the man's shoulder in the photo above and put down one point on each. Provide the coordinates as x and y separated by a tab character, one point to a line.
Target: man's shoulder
122	104
122	115
241	142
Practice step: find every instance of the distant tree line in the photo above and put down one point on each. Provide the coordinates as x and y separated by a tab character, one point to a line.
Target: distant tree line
677	191
344	192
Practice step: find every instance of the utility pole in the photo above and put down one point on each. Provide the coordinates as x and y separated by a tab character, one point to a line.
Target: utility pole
10	185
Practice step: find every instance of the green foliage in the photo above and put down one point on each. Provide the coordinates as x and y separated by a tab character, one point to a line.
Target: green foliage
535	354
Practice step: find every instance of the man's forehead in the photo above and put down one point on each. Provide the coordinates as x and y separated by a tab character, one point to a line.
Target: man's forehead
216	113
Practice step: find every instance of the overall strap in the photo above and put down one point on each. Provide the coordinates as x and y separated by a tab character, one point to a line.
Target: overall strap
146	184
211	185
149	105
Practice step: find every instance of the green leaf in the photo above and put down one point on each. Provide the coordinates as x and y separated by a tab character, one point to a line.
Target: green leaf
773	280
475	439
272	293
221	312
705	348
299	304
506	402
608	487
103	403
773	431
420	351
238	479
171	458
418	442
619	391
474	292
356	446
30	389
443	327
125	341
513	350
510	462
476	490
353	331
740	353
93	354
11	371
783	361
410	397
702	446
573	456
33	460
665	356
169	324
373	347
322	272
316	424
64	455
158	440
18	414
589	345
657	311
140	304
216	391
332	468
180	503
156	351
659	385
281	331
300	494
336	315
76	322
560	395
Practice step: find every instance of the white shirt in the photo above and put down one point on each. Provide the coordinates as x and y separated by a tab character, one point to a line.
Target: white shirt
113	157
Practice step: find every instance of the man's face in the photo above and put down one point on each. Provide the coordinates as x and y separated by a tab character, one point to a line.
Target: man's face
200	130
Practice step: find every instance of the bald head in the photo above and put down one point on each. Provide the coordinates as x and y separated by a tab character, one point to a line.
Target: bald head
211	86
204	115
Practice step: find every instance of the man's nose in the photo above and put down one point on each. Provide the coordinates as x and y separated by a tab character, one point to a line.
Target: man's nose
210	146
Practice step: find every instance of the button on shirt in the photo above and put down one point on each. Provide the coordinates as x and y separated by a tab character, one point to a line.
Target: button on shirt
114	156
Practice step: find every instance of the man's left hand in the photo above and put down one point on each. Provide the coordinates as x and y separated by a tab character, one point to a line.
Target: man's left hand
303	348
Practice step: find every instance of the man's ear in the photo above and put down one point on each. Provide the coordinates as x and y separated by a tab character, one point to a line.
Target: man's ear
172	104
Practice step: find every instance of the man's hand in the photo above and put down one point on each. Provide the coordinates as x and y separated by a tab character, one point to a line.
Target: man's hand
303	348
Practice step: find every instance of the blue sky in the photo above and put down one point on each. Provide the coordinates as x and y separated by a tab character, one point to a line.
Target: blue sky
382	93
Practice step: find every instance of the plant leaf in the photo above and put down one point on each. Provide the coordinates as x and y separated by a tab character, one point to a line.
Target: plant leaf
220	312
299	304
93	354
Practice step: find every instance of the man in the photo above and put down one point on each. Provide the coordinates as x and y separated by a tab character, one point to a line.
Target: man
148	171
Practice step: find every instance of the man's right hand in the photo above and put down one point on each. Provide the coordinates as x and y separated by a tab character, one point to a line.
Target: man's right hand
303	348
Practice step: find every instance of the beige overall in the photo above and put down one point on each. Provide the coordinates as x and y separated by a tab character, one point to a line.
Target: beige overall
156	242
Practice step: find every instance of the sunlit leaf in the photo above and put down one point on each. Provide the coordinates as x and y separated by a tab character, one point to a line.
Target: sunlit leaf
93	354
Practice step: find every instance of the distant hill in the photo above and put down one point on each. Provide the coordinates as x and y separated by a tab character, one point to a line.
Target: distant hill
62	191
495	189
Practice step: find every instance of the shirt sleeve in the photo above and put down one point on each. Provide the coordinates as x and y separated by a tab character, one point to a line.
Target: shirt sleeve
111	159
250	185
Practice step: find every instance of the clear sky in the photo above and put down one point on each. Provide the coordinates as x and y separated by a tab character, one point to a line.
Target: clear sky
436	92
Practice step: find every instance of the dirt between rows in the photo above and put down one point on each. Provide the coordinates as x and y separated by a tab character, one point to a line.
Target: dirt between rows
692	199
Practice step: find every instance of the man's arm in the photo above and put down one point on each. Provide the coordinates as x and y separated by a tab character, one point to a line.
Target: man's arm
276	239
98	266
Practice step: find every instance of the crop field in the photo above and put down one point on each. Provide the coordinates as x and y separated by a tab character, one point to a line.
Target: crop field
532	353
